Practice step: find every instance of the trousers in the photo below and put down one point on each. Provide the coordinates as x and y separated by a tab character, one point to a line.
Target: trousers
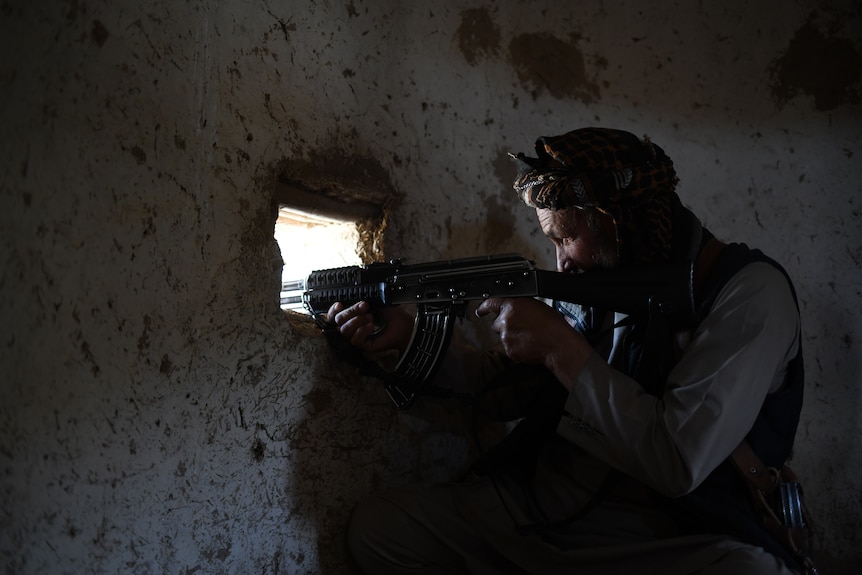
463	528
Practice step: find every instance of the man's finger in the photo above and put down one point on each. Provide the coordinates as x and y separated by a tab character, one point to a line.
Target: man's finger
333	310
351	312
490	305
361	335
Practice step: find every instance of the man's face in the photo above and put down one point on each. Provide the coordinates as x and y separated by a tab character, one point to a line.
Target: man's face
580	246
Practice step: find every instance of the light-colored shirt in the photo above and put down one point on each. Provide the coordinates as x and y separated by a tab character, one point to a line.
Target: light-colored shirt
737	355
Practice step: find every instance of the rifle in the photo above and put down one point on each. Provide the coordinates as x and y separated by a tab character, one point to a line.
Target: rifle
441	291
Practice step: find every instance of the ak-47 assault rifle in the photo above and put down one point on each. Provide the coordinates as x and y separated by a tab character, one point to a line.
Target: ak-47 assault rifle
441	291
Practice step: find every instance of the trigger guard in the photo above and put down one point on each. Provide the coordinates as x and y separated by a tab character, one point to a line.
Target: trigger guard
378	329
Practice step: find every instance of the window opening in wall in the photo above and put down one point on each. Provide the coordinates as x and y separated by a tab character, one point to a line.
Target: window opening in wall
311	242
328	219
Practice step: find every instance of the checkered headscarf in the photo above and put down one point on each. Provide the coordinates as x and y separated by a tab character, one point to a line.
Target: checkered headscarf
611	171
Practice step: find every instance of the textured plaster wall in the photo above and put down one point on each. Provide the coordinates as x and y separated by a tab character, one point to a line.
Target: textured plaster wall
158	412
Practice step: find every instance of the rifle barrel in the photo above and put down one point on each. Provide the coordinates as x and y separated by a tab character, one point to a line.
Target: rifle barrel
291	295
293	285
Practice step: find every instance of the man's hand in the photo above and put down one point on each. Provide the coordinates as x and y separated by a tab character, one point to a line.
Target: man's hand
389	328
533	332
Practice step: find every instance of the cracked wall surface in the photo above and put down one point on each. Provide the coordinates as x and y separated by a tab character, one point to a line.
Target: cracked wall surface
159	412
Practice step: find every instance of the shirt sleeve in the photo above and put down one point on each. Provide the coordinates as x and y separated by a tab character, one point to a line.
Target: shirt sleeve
737	355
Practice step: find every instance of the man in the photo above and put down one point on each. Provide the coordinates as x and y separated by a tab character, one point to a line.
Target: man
621	461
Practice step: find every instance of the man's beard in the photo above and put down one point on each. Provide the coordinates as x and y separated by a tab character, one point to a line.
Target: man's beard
606	256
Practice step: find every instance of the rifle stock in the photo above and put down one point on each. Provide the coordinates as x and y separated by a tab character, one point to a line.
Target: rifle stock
441	290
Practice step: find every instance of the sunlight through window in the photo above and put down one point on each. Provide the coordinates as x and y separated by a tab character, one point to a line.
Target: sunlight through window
311	242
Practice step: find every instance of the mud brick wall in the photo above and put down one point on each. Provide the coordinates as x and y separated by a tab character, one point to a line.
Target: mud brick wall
158	411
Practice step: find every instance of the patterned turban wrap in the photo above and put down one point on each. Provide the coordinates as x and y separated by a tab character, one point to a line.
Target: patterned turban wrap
611	171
